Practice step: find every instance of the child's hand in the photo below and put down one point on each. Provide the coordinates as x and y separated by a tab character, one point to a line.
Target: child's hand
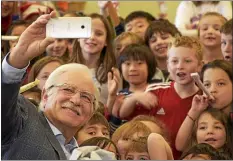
199	104
114	80
115	4
103	4
158	148
162	16
117	105
147	99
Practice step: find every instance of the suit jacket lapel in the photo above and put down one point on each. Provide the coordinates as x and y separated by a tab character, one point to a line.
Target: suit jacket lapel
52	138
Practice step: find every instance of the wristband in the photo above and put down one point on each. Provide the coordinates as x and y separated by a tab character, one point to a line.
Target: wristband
191	118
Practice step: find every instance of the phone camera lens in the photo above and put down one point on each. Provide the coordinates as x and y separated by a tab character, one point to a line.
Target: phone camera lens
82	27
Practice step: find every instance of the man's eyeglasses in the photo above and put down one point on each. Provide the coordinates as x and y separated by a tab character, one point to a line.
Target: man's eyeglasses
71	90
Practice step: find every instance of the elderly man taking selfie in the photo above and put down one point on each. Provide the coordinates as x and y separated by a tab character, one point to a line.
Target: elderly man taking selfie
68	101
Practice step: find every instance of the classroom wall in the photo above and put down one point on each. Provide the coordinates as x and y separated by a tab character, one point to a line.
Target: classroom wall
128	6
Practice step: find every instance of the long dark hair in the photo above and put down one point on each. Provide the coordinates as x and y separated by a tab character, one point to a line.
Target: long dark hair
221	64
161	26
224	119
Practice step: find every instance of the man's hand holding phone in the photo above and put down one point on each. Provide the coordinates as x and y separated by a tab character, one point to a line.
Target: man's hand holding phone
32	42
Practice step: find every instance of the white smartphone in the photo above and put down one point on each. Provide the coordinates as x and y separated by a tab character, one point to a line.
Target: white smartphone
69	27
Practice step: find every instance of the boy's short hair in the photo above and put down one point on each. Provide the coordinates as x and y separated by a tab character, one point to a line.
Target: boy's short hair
206	149
189	42
138	52
161	26
101	142
139	14
134	37
227	28
101	108
96	118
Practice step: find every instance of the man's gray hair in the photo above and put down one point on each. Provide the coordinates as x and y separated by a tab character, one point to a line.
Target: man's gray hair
54	77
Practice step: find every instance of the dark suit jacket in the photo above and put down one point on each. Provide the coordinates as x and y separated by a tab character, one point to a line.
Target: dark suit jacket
26	133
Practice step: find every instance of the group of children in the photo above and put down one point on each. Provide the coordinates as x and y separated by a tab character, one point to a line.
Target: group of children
150	107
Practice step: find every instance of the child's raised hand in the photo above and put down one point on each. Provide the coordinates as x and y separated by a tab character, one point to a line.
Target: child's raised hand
103	4
191	26
199	104
147	99
114	80
115	4
158	147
